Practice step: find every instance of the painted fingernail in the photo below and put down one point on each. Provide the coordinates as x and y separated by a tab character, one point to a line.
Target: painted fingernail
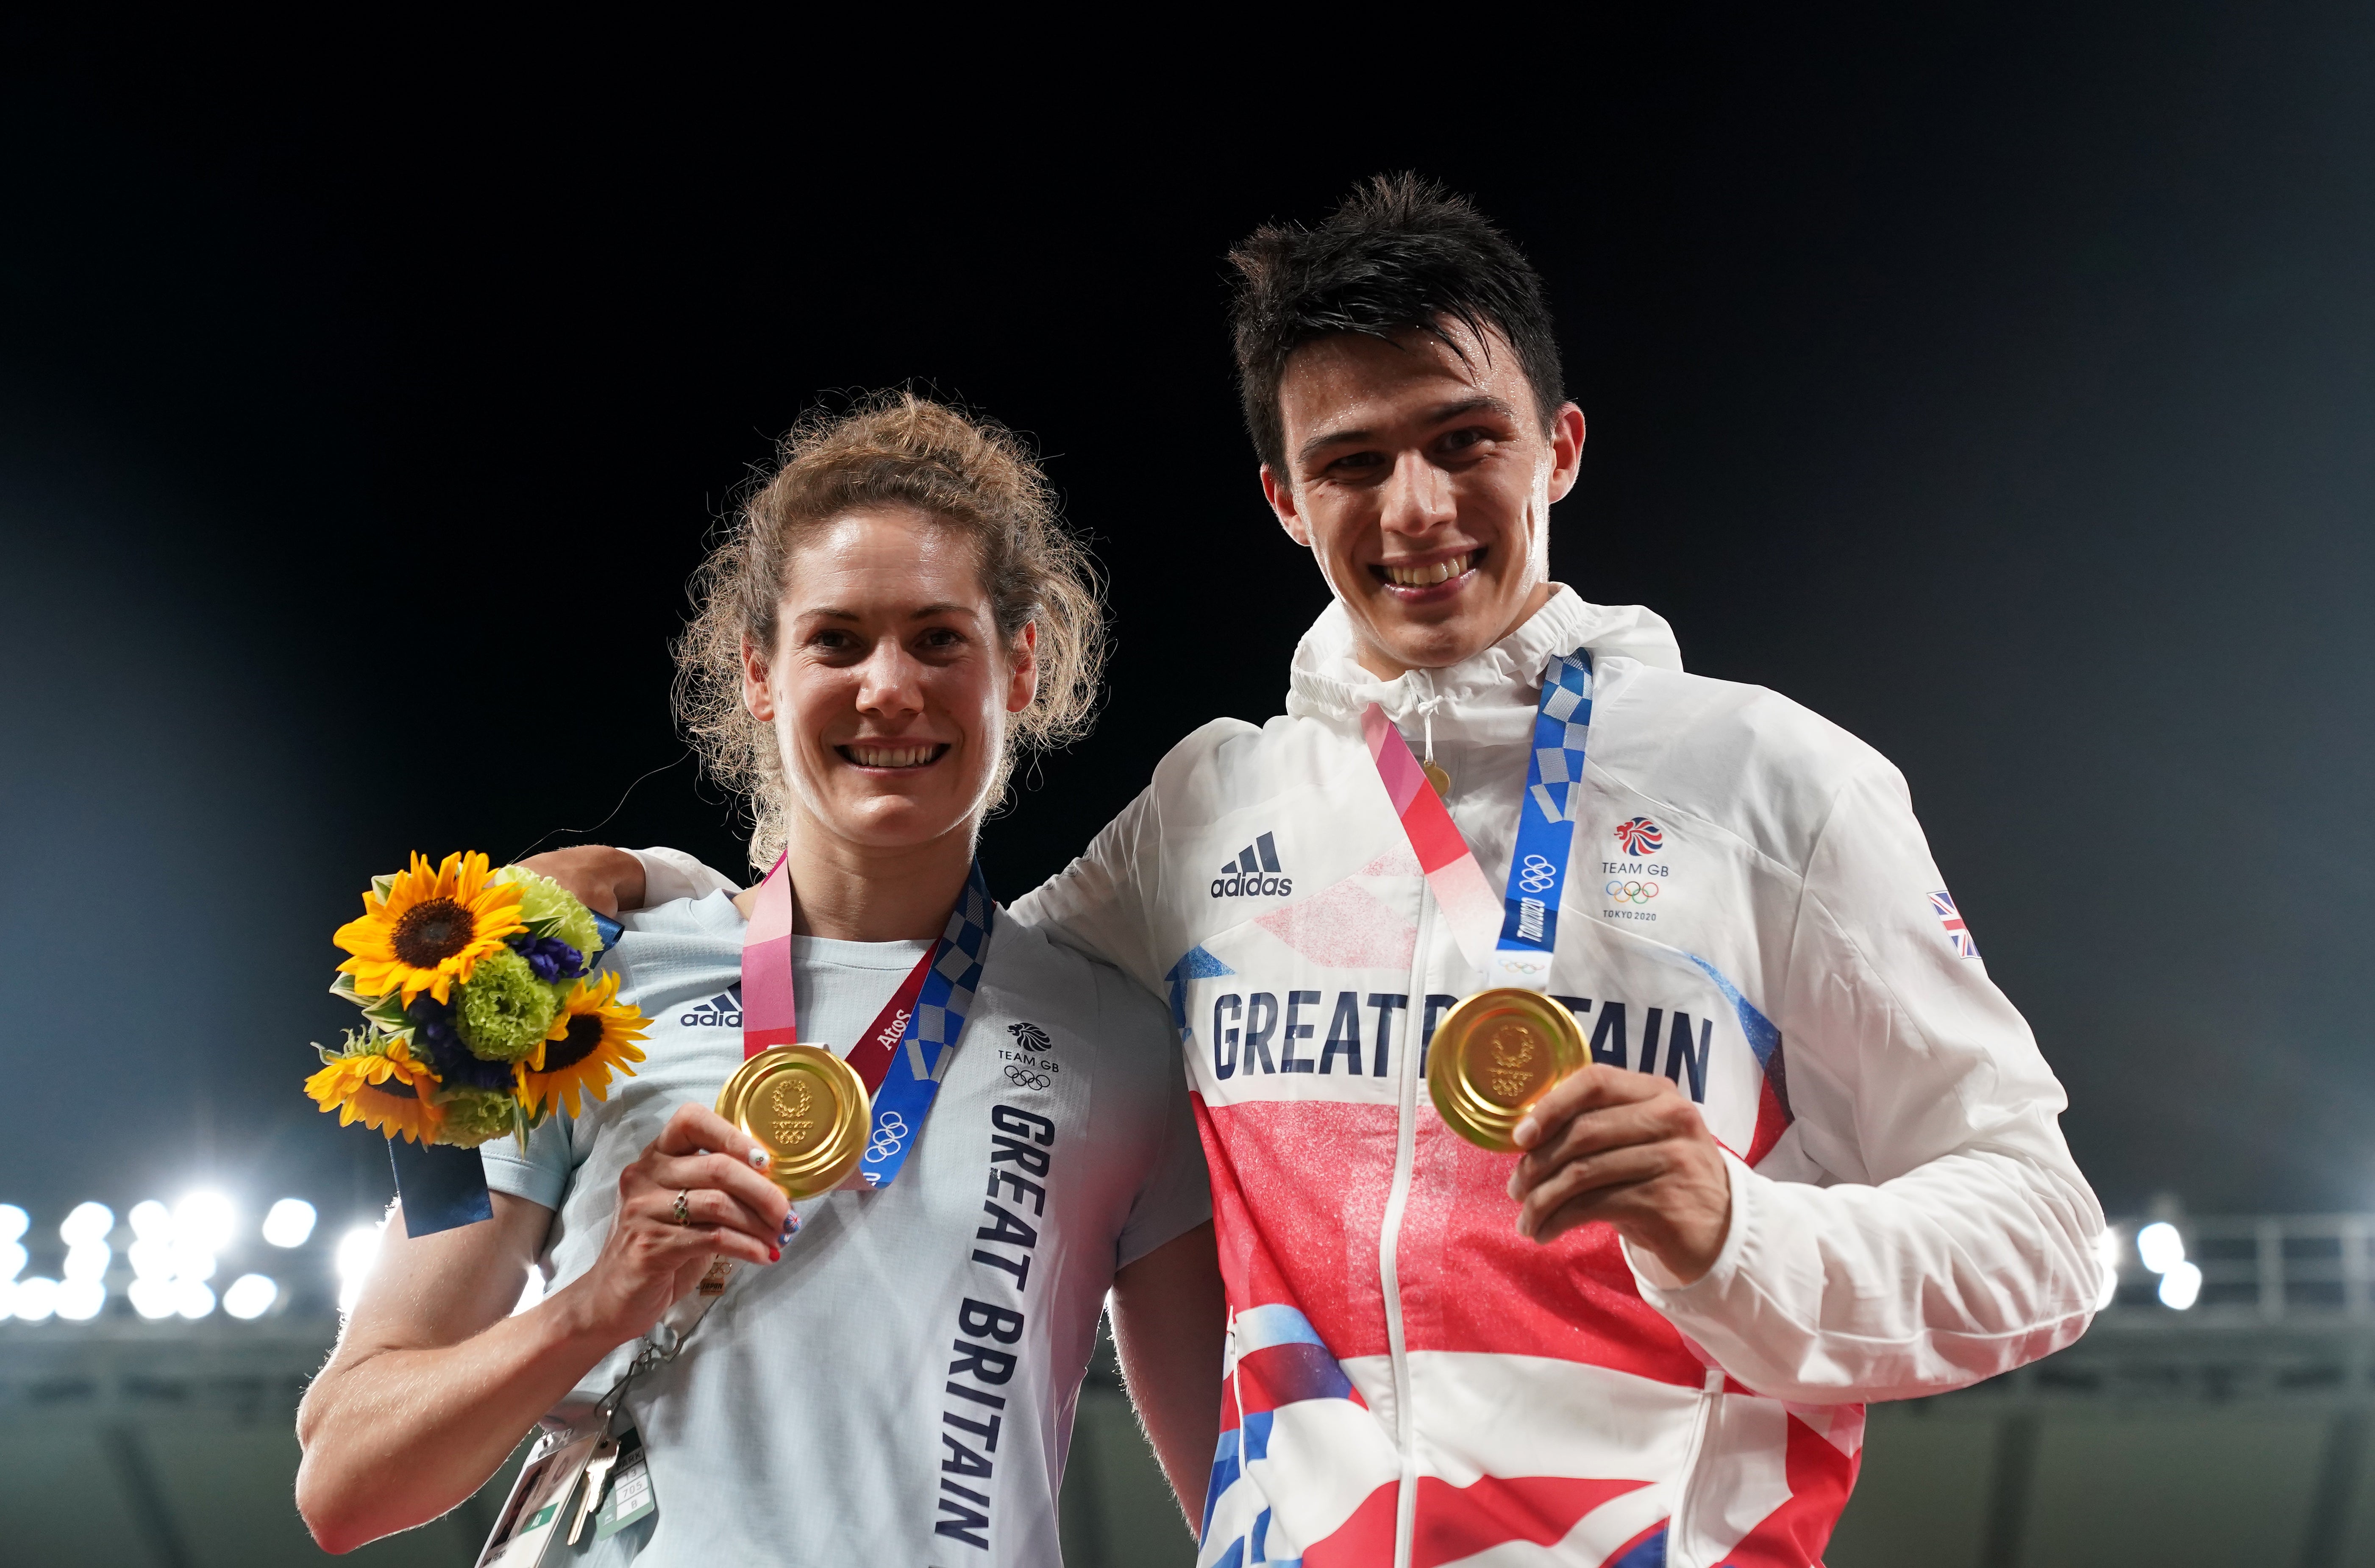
774	1255
759	1160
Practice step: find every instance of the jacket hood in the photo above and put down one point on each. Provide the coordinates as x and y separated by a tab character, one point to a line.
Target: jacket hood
1328	682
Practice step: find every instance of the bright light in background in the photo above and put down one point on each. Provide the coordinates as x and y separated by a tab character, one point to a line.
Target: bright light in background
2162	1249
88	1222
192	1299
80	1300
2106	1255
191	1261
205	1220
12	1259
36	1298
357	1248
289	1223
152	1296
2180	1285
151	1221
14	1222
533	1293
251	1295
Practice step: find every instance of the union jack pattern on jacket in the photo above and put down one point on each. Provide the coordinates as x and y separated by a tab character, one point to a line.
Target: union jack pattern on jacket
1409	1380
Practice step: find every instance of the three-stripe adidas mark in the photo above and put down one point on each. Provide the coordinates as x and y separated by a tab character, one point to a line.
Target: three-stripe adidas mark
721	1011
1254	873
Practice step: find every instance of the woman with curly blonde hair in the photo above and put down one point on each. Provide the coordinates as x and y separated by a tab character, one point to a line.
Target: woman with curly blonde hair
889	1371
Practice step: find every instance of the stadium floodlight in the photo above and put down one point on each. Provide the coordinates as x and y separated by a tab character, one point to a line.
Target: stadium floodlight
289	1223
152	1296
193	1299
151	1221
193	1262
88	1222
13	1258
206	1219
2160	1246
251	1295
80	1300
151	1258
2180	1285
2107	1258
357	1248
36	1299
533	1293
88	1260
14	1222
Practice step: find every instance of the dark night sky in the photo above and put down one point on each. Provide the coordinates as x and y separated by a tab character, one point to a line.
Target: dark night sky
2003	389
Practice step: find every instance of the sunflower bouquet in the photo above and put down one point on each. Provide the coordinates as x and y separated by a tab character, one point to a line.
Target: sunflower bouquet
481	1009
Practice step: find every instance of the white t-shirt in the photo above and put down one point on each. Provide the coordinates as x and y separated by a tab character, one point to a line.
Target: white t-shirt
900	1386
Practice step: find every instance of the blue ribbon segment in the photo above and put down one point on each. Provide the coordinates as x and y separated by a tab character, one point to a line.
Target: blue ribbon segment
1538	865
929	1041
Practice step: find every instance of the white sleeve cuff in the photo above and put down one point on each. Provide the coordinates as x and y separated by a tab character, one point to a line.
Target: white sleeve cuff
1660	1289
670	874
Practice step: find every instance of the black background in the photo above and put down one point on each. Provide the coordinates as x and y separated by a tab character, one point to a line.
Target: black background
1999	386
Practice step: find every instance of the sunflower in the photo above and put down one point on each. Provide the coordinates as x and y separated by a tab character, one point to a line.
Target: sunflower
591	1035
352	1085
430	929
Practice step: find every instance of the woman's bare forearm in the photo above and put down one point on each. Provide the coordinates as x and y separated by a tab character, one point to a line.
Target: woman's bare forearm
395	1437
433	1383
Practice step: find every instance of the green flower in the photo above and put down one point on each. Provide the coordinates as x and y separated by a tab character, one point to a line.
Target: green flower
474	1117
503	1012
548	909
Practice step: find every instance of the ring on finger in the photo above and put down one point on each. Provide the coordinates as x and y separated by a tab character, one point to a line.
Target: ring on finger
684	1210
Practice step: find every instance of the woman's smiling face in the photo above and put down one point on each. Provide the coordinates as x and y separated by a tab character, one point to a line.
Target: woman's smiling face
889	686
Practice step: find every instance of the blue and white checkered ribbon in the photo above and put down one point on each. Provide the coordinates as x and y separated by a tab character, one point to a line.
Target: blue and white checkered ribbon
930	1043
1538	865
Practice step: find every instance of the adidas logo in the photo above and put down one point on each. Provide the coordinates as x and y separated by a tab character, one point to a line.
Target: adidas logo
1253	874
722	1011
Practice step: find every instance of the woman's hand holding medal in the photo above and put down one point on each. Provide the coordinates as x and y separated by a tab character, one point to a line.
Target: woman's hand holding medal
698	1192
1605	1143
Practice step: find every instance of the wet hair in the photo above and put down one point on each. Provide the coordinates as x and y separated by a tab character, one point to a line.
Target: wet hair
1399	253
893	450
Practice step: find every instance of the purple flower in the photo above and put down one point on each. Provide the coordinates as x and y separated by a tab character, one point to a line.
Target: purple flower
432	1031
551	958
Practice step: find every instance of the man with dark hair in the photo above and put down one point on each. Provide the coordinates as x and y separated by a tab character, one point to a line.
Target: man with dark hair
1814	1156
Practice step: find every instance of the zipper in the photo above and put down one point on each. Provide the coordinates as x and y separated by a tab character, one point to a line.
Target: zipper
1677	1556
1389	1238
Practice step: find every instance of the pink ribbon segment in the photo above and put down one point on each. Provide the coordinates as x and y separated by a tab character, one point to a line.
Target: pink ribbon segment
769	1016
1461	890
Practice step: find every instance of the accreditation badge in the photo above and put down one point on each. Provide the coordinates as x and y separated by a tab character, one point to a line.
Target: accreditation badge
537	1509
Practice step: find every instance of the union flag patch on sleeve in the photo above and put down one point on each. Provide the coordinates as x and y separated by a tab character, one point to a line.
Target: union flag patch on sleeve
1941	903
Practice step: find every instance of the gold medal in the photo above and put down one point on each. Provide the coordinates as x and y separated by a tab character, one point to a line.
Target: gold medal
808	1108
1494	1056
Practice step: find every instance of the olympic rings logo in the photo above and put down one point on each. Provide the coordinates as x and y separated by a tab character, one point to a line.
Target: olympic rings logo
1537	874
1020	1079
1632	893
1508	965
890	1136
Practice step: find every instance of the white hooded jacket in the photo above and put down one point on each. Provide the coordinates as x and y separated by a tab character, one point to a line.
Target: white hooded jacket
1752	910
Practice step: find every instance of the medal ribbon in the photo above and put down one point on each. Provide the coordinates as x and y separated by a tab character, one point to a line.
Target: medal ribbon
1528	913
907	1050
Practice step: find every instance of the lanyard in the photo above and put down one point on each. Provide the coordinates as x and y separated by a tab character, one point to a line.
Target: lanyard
907	1050
1527	913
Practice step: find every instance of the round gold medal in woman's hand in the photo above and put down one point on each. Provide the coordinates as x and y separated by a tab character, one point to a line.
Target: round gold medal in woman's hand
807	1109
1494	1056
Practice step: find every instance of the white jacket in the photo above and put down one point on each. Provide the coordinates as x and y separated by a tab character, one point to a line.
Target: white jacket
1752	911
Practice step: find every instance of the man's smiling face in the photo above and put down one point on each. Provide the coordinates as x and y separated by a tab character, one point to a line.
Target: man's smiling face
1422	478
